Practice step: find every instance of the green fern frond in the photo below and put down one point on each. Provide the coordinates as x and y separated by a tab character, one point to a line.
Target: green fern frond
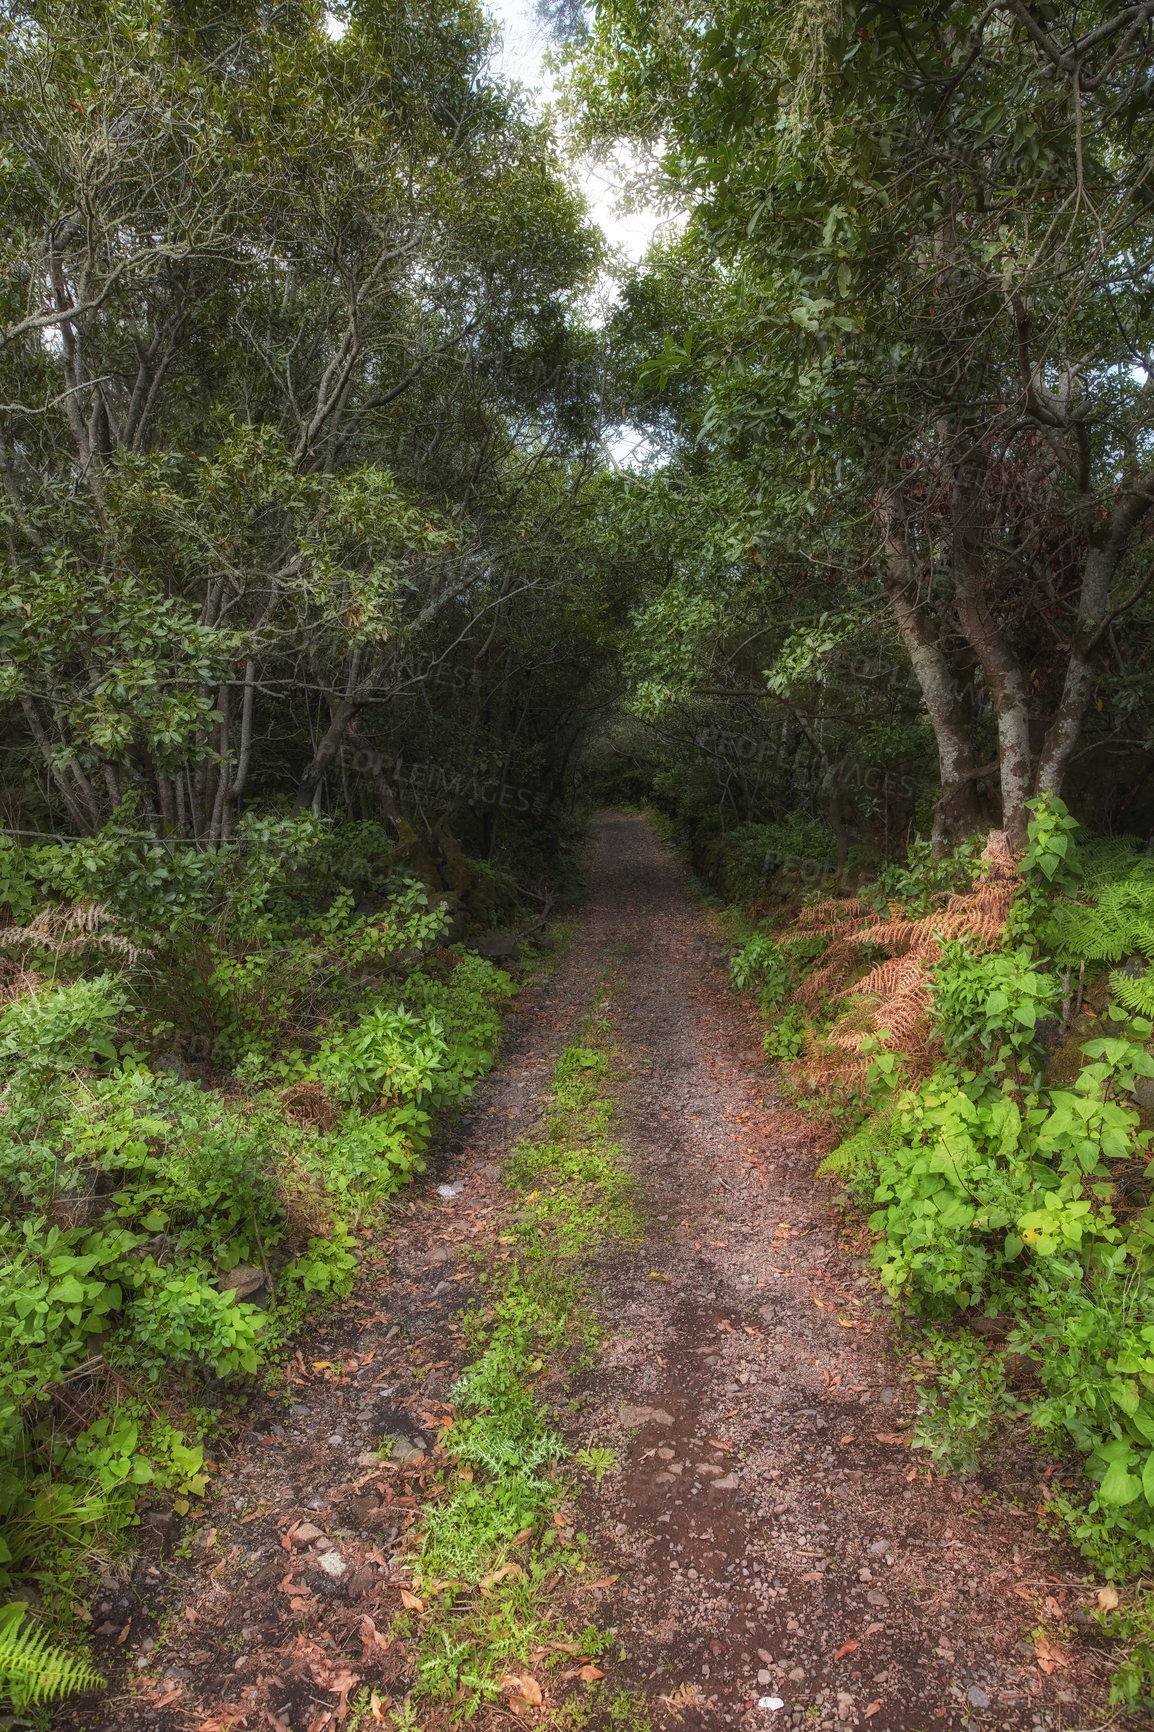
32	1670
1118	921
856	1159
1134	993
1107	859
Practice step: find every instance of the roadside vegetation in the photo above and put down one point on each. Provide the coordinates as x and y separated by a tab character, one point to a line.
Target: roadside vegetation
171	1221
983	1028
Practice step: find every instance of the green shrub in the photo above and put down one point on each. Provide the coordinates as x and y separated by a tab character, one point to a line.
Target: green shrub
131	1193
761	962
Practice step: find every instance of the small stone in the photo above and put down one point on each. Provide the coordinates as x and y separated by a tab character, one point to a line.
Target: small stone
631	1416
728	1482
763	1677
305	1533
797	1675
333	1565
888	1397
360	1582
876	1598
666	1454
977	1697
242	1280
663	1479
404	1449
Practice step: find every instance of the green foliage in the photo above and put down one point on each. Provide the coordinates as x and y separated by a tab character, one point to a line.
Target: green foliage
925	878
1132	1624
1051	854
598	1460
32	1669
990	1004
969	1398
1113	917
762	962
787	1036
132	1193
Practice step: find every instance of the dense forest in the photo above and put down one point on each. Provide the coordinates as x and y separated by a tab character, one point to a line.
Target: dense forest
330	613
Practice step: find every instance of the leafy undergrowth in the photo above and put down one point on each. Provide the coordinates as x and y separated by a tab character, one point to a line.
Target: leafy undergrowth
171	1219
500	1565
997	1081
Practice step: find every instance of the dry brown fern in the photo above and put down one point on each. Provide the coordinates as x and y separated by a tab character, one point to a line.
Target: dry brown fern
307	1104
69	927
892	1000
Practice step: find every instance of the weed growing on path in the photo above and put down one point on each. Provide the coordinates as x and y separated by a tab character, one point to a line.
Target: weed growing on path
502	1538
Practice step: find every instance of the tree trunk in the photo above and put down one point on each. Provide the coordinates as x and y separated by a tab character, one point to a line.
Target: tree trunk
999	664
1103	558
342	713
957	812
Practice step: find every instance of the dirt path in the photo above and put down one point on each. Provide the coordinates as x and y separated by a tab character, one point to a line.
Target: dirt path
772	1536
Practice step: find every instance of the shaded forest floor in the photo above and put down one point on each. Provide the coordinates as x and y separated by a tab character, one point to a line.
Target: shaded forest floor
766	1534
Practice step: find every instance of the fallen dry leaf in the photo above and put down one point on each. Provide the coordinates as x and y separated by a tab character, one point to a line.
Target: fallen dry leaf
169	1696
716	1443
1052	1606
376	1707
523	1689
850	1647
604	1582
893	1437
872	1709
1107	1598
123	1636
410	1601
488	1583
1048	1656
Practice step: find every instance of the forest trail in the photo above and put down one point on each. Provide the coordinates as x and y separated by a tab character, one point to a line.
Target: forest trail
768	1533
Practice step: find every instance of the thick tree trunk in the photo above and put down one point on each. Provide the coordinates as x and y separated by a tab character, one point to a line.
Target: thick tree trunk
957	812
1000	666
1106	552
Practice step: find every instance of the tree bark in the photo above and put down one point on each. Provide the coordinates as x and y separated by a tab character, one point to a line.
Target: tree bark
957	812
1106	552
999	664
342	713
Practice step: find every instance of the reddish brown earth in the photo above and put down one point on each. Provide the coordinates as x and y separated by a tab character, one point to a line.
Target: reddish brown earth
771	1533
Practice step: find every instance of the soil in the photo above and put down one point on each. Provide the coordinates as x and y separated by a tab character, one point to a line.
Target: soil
770	1536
